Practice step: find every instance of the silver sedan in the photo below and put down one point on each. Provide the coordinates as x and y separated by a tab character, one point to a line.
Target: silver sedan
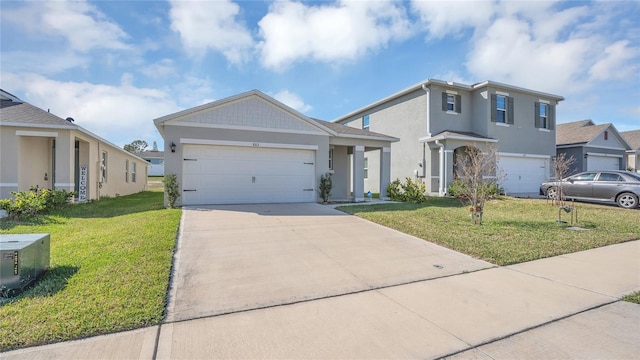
621	187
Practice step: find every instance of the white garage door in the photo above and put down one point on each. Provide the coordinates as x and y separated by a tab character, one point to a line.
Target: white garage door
523	175
595	162
246	175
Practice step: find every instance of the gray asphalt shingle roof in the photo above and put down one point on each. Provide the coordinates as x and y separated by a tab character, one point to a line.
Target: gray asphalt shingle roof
578	132
632	138
348	130
24	113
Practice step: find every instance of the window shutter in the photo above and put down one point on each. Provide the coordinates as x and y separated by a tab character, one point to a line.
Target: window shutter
536	107
444	101
494	108
552	117
510	119
459	104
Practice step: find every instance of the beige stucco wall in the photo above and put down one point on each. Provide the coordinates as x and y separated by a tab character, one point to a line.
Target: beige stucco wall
24	160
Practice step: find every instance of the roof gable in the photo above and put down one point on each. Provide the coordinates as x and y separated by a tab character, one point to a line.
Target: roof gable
587	133
250	110
632	138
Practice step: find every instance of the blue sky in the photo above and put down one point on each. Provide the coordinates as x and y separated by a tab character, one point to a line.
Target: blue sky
114	66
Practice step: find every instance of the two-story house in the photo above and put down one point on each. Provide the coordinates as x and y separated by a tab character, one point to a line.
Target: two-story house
436	120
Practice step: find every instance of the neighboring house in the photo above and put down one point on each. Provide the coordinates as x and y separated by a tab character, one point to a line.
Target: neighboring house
633	156
594	147
156	162
39	149
436	121
250	148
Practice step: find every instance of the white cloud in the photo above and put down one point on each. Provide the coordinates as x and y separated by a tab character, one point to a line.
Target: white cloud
81	24
616	62
205	25
160	69
24	61
119	114
442	18
293	31
292	100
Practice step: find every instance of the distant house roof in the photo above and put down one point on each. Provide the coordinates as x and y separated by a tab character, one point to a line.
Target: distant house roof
340	129
632	138
582	132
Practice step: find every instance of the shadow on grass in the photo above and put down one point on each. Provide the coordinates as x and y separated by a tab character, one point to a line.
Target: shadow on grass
103	208
431	202
51	282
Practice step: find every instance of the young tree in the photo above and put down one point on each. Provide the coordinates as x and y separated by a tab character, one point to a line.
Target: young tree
136	147
561	167
477	178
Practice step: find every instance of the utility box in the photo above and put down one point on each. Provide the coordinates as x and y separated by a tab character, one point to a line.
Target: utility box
23	258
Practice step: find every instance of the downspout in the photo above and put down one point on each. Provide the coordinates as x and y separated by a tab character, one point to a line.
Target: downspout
424	149
441	176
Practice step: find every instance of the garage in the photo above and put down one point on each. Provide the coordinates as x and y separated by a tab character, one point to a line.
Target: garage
601	162
219	174
523	174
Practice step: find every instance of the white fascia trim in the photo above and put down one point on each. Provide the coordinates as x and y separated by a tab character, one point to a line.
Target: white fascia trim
535	156
604	155
39	126
247	144
247	128
365	137
8	184
36	133
605	147
427	139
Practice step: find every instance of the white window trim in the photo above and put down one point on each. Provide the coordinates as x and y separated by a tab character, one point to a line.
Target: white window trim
498	110
126	171
331	159
133	172
366	168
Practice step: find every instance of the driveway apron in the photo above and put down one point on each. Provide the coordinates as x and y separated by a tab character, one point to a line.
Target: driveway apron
238	257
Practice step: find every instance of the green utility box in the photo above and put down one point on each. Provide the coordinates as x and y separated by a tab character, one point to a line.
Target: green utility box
23	258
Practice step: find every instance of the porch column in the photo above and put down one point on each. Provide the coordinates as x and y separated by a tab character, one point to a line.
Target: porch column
385	171
358	173
64	155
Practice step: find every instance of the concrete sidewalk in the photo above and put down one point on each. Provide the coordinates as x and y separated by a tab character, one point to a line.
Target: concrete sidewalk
387	303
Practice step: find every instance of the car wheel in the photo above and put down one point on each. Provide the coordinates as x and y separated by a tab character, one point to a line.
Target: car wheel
552	193
627	200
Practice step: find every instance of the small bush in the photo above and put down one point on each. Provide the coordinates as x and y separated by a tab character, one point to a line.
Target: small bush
172	188
34	202
410	191
458	189
326	185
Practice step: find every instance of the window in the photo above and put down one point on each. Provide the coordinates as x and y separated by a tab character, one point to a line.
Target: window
606	135
584	177
366	168
133	172
330	159
545	116
103	167
365	122
126	171
501	109
451	102
610	177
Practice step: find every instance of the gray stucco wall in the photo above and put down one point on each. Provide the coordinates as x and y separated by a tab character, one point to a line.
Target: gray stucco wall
173	161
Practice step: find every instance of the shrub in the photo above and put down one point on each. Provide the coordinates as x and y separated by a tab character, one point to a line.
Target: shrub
326	185
34	202
410	191
459	189
172	188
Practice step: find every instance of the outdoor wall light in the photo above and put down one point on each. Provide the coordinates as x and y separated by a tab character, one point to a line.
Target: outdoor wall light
173	147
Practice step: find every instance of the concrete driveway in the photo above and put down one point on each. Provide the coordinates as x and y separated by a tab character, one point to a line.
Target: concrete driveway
238	257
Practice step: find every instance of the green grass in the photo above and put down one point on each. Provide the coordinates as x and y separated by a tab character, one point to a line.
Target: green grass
633	297
513	230
110	266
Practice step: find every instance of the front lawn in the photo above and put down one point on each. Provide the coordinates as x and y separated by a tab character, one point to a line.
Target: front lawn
513	230
110	264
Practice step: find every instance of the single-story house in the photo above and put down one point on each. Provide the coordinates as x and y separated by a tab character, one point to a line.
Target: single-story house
437	121
155	158
40	149
633	155
594	147
251	148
